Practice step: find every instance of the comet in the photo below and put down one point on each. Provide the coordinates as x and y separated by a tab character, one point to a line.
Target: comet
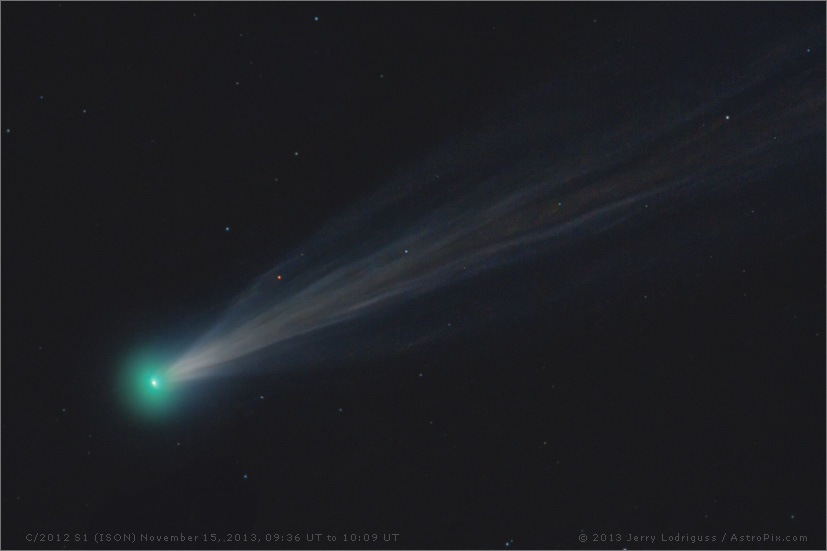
528	183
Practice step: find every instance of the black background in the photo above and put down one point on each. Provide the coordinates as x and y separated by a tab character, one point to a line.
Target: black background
699	410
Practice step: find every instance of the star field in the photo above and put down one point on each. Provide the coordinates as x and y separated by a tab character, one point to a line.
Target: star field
489	276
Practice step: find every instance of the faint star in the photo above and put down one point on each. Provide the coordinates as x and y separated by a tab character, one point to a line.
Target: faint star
63	410
727	117
420	374
340	410
406	251
178	443
41	97
84	111
227	228
8	130
316	19
245	476
296	154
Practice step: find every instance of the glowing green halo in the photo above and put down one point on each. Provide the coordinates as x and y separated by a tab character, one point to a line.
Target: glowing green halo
146	389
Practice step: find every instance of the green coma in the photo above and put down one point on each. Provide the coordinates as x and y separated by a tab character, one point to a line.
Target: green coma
145	386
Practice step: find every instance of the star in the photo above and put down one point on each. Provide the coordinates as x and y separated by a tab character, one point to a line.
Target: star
261	397
245	477
84	111
8	130
316	19
227	228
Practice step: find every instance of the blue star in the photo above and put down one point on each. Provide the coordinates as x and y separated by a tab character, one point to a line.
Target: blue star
41	97
406	251
245	477
727	117
316	19
340	410
261	397
420	374
84	111
227	228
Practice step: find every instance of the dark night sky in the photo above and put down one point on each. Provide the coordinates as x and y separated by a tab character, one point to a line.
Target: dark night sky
663	376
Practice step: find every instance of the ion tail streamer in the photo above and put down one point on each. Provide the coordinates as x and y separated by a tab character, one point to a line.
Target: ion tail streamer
545	174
